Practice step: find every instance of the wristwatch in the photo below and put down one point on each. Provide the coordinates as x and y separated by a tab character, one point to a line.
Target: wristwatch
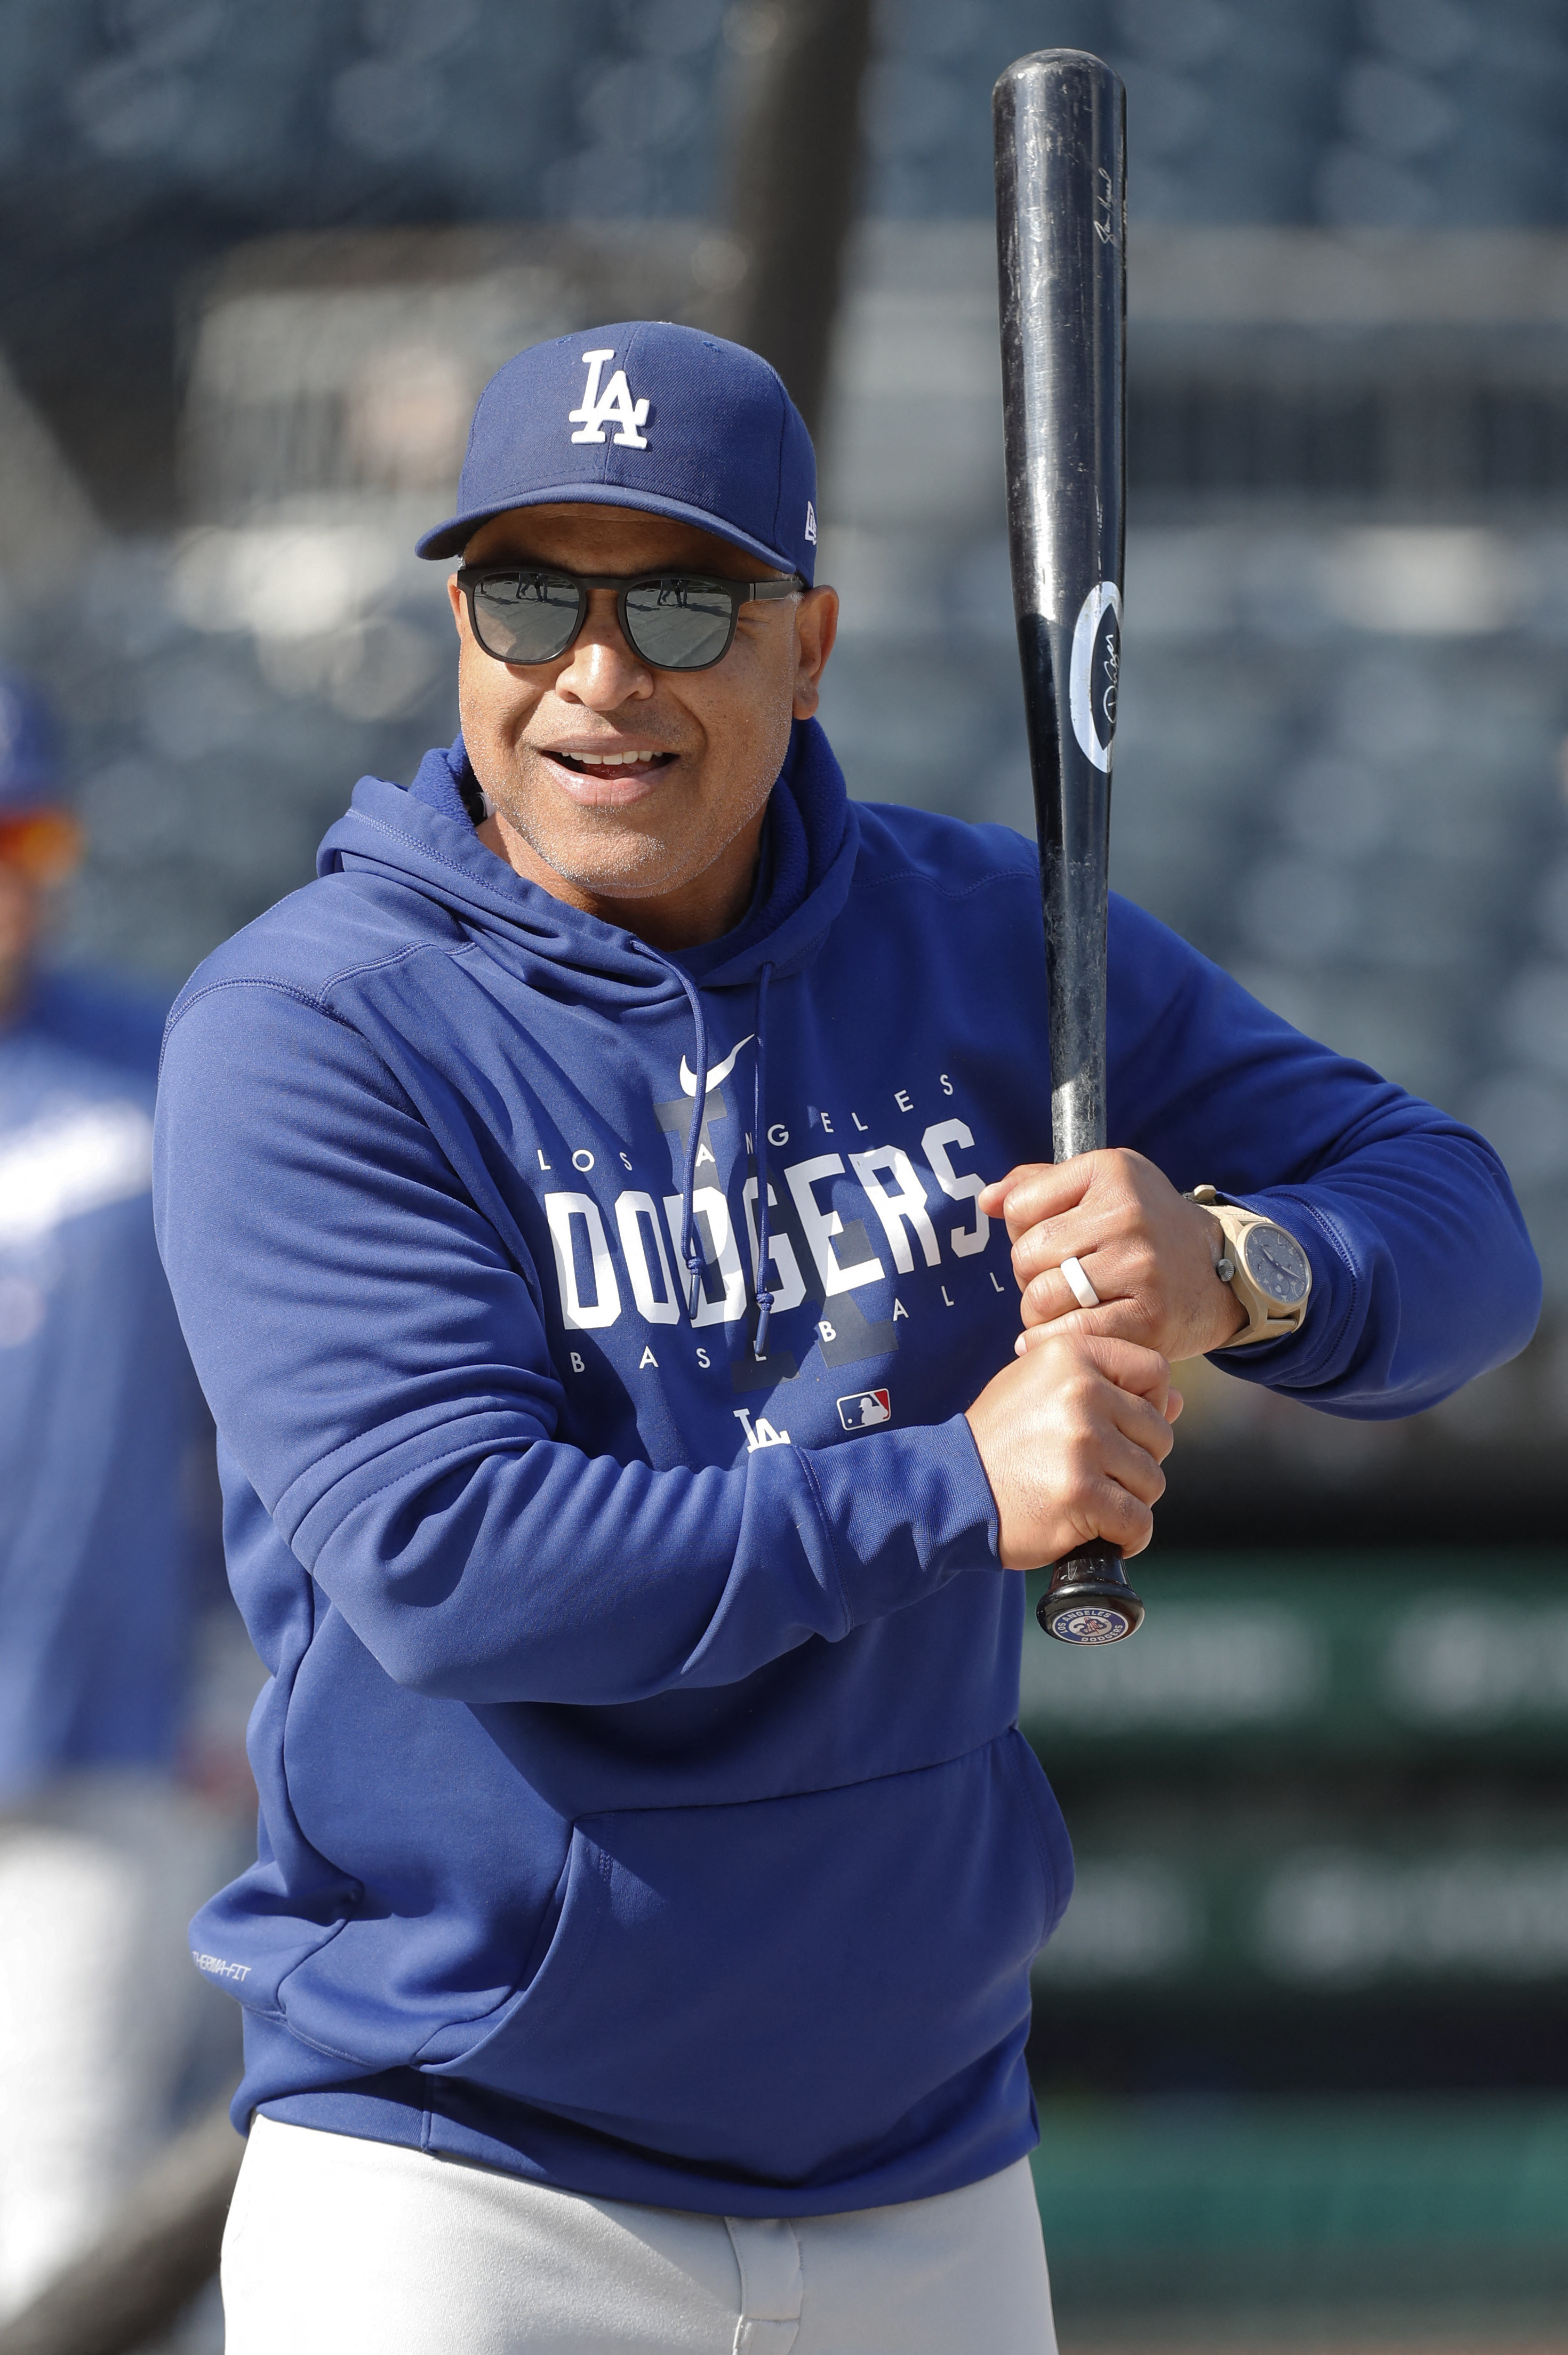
1264	1266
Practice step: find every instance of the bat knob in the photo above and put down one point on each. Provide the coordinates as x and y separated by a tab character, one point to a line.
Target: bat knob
1089	1600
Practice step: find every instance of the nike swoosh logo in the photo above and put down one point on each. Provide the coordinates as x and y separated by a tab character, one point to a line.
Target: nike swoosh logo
720	1072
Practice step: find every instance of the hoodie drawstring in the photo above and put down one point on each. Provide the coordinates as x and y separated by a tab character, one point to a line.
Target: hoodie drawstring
762	1292
690	1241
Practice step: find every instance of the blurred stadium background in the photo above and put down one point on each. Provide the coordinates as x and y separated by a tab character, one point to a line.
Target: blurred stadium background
1303	2046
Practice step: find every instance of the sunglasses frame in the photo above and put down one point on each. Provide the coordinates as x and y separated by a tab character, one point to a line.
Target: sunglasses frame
739	592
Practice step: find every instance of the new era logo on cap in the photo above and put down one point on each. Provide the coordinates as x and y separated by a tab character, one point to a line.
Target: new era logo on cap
614	406
865	1409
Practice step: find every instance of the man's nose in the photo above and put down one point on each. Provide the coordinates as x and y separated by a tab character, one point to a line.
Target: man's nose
601	670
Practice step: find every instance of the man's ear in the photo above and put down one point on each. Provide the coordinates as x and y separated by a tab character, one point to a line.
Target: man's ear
816	627
454	599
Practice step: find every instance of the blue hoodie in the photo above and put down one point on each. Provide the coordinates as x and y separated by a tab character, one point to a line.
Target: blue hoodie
642	1808
99	1411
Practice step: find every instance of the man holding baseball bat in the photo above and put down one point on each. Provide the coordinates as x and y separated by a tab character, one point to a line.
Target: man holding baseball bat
577	1200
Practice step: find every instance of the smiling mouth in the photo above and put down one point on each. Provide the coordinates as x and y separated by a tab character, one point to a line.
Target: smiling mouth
601	764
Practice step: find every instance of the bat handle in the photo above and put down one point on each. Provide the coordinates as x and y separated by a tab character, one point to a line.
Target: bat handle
1089	1600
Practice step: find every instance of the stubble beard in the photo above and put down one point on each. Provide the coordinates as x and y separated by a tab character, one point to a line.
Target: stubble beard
606	852
599	852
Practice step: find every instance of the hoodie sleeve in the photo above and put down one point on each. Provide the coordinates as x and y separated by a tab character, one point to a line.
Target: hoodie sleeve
1423	1272
379	1370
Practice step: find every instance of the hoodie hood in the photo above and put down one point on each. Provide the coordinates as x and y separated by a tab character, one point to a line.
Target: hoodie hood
809	848
426	837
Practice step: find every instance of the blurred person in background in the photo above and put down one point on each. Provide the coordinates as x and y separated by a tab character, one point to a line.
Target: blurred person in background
102	1850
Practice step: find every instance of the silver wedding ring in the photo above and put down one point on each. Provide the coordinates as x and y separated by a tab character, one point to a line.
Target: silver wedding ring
1078	1283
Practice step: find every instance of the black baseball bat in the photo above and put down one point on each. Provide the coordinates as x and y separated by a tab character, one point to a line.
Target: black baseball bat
1059	121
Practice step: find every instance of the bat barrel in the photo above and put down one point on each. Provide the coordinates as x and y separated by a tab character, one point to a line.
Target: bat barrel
1059	124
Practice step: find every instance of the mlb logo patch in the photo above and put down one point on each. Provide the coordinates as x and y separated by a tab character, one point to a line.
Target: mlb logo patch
864	1409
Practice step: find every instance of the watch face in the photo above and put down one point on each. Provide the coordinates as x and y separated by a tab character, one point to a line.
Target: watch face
1277	1264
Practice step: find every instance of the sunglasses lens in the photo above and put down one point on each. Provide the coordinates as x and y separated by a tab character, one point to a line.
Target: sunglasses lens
680	624
525	617
42	845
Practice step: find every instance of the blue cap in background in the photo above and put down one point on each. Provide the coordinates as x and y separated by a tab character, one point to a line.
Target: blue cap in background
644	415
31	775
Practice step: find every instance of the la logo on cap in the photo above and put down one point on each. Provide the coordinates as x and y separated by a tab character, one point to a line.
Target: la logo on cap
614	406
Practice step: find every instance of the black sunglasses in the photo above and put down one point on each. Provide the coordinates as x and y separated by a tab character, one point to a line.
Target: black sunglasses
676	620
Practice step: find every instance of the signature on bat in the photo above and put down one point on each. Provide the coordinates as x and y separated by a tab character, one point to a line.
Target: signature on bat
1106	196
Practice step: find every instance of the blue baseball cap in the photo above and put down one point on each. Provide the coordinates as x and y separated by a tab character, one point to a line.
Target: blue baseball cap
644	415
31	776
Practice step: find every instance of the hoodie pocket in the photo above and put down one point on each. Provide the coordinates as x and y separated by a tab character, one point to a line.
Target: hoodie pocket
762	1987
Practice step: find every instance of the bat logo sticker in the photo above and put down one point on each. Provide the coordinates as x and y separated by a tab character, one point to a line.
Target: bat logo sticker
1094	1622
1092	674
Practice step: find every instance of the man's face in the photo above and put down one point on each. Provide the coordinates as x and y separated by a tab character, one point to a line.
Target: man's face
713	740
